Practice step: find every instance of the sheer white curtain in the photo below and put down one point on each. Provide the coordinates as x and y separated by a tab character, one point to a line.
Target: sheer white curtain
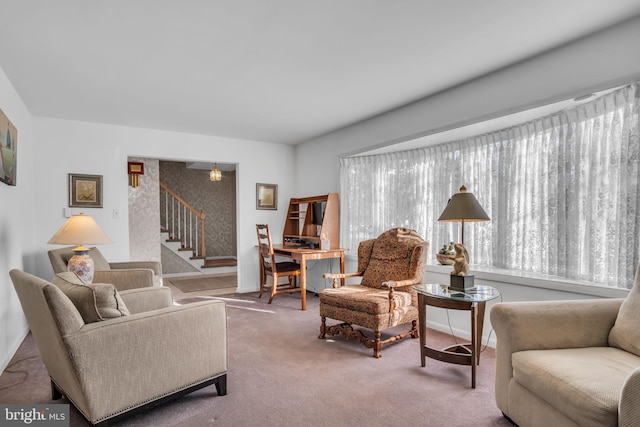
562	192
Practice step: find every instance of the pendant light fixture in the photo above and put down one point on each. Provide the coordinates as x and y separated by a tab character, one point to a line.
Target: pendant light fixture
215	174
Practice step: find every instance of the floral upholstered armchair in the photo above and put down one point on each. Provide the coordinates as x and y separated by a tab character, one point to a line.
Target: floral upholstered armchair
389	265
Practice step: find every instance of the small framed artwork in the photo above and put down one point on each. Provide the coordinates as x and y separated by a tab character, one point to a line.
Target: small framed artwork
8	150
85	191
266	196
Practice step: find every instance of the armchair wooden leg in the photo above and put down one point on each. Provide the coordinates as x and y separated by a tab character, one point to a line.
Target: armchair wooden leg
414	332
377	345
323	328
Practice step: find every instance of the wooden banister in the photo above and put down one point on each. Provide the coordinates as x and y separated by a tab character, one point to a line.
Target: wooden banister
182	231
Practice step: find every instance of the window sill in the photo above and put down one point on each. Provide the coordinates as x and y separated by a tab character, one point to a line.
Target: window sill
536	281
532	280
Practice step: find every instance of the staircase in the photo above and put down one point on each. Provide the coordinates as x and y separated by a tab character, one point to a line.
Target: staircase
182	233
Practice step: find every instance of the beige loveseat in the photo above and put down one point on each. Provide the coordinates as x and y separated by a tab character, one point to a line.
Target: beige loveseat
113	353
569	363
123	275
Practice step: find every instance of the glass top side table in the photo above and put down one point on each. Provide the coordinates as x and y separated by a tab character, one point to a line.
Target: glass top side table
472	299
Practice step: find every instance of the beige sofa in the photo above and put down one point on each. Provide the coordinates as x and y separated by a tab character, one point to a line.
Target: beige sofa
123	275
569	363
116	353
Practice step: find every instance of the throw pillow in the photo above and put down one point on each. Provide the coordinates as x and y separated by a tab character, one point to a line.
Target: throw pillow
625	333
95	301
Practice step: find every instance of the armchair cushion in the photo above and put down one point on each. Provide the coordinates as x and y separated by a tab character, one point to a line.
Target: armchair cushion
625	333
559	377
364	299
94	302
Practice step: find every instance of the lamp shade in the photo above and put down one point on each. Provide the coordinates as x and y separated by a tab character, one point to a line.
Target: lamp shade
463	207
79	230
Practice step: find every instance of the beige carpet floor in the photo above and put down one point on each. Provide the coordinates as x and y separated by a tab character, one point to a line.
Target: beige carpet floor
281	374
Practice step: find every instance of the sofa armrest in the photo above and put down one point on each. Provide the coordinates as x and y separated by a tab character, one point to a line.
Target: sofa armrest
124	362
146	299
542	325
629	405
125	279
153	265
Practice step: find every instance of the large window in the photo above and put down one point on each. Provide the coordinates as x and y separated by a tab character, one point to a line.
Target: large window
562	192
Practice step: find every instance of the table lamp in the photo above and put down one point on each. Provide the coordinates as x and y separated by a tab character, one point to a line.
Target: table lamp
79	230
463	207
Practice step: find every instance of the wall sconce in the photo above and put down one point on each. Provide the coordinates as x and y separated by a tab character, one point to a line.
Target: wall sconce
135	169
215	174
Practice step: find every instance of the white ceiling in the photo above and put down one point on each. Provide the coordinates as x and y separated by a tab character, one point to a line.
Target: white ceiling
279	71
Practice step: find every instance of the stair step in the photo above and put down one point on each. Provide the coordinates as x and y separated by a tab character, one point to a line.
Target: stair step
196	257
220	262
173	240
185	248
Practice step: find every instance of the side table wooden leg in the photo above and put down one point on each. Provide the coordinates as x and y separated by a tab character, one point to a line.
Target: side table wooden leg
480	308
474	342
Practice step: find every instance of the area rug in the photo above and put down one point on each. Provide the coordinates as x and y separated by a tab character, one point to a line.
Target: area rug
207	282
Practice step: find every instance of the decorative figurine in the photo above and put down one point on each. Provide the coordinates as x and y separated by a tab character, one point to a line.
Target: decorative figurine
461	258
460	277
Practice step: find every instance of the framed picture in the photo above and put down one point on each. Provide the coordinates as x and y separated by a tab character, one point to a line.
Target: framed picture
266	196
85	191
8	153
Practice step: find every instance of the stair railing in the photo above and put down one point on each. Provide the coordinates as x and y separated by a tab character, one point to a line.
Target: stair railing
184	223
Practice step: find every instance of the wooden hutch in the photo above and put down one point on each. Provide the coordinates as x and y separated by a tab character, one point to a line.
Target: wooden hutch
309	217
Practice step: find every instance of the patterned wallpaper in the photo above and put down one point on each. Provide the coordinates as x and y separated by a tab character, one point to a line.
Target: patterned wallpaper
217	199
173	264
144	219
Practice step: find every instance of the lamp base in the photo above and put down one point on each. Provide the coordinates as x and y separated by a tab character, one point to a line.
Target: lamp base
461	283
82	264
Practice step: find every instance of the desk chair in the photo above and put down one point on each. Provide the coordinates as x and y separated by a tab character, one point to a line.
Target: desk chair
269	266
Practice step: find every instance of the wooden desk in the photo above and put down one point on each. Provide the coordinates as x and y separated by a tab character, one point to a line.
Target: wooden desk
302	255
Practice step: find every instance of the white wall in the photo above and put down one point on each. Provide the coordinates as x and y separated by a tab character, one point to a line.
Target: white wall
90	148
17	247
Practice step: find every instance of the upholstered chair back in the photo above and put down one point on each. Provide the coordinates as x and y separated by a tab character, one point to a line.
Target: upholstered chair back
397	254
51	315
